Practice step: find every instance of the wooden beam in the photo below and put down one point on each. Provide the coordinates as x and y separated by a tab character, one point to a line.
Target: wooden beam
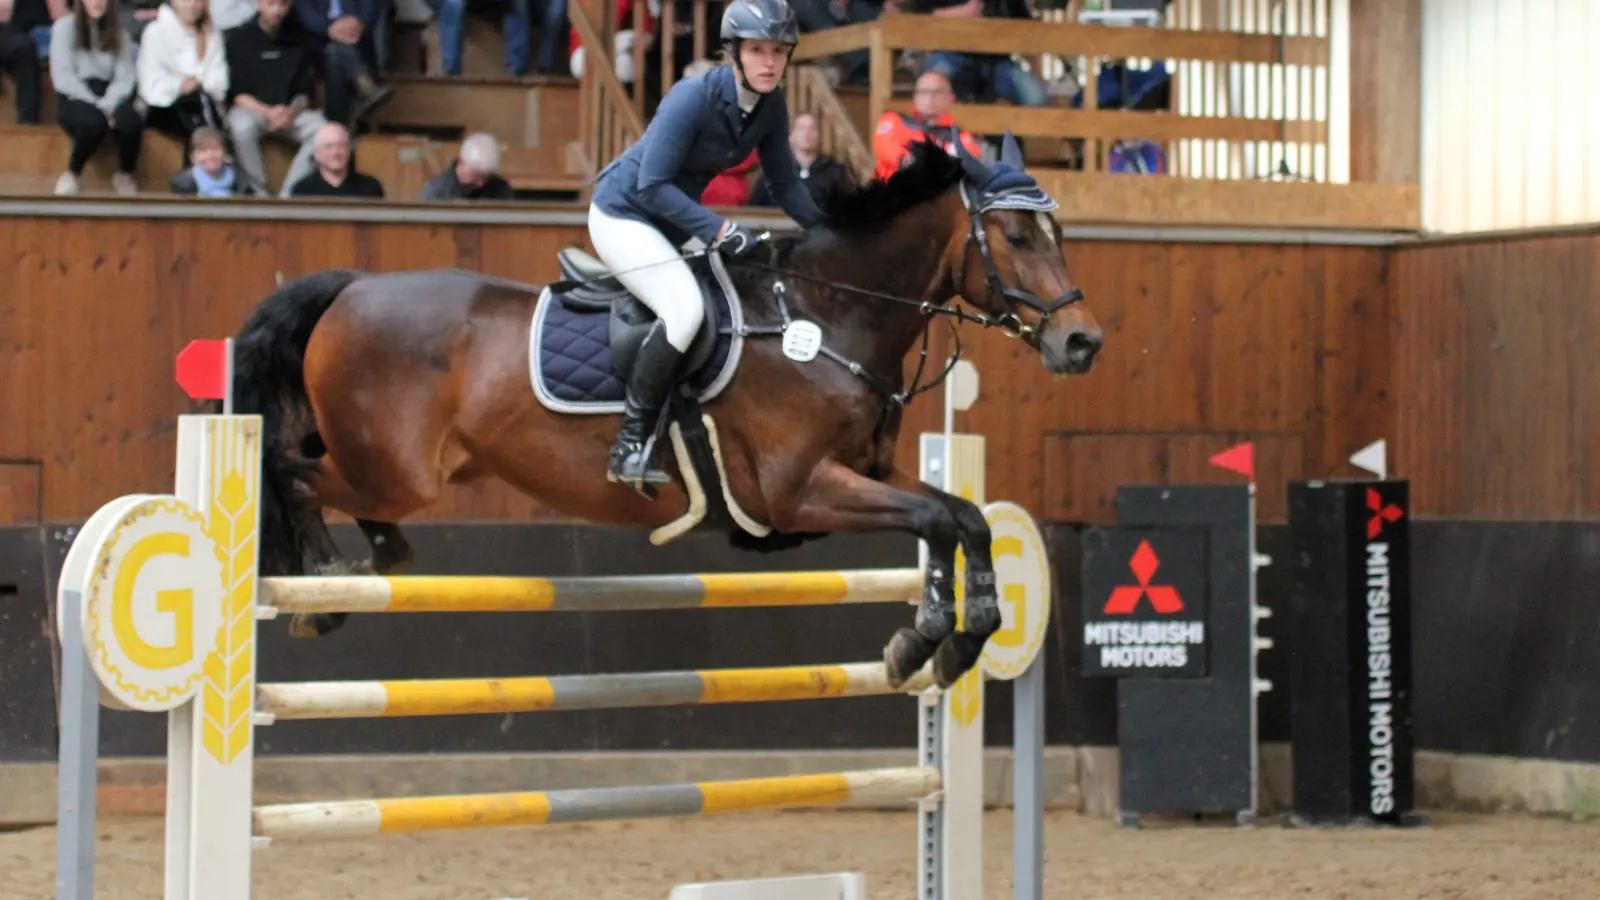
1029	36
822	44
1098	197
1131	125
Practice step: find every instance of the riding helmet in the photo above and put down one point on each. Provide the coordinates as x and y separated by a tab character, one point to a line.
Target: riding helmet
760	20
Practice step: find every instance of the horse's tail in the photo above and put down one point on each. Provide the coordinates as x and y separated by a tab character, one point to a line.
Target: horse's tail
269	380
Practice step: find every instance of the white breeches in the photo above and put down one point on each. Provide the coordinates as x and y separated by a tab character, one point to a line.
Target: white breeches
667	286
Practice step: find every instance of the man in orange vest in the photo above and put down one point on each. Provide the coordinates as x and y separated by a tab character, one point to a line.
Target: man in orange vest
933	98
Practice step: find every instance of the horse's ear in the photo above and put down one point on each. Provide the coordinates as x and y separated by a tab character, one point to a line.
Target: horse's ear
1011	152
975	169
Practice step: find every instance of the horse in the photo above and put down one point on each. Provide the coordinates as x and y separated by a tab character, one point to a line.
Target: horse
378	390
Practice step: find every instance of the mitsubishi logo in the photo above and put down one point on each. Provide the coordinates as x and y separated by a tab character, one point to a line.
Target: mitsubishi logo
1164	597
1381	513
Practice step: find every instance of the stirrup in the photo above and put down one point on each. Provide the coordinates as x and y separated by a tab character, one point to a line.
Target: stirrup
634	468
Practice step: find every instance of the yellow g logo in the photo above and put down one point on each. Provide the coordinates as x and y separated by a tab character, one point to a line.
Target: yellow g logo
1024	582
152	604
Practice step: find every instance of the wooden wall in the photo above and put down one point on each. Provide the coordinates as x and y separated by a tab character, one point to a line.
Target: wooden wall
1499	415
1206	344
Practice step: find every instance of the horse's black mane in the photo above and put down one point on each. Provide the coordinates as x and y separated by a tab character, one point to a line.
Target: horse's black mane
930	172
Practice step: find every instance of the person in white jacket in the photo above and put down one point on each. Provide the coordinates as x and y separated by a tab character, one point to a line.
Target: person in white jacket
183	70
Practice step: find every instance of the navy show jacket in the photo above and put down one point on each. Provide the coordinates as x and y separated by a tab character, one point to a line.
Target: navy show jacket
698	131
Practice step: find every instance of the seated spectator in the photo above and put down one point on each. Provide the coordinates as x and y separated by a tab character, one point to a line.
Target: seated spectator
853	67
271	77
621	42
514	26
731	186
333	175
183	71
136	17
19	52
932	99
822	174
983	76
230	14
352	36
92	71
474	176
211	175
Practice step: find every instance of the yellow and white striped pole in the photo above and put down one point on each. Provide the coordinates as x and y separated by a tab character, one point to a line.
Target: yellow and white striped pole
365	818
471	696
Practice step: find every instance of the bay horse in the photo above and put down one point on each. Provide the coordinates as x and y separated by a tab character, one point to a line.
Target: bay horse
378	390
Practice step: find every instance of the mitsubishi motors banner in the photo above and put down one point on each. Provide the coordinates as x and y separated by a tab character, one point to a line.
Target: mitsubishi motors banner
1144	602
1378	583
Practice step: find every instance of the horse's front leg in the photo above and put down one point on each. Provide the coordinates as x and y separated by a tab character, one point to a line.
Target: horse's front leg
838	499
981	607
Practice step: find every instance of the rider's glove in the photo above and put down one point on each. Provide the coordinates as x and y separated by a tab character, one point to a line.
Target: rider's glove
737	241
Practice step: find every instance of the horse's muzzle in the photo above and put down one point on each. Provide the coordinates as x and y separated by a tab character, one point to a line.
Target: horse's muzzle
1072	352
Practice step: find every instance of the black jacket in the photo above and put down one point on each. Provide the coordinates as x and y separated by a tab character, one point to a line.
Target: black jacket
825	178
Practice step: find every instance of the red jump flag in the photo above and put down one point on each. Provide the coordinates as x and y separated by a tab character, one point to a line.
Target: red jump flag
203	370
1241	459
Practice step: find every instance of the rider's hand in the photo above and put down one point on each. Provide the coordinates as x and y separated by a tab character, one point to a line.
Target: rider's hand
736	240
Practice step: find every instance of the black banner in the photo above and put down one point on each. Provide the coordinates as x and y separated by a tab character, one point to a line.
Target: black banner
1144	603
1378	586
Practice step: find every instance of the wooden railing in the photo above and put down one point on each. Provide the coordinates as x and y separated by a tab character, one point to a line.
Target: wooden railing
809	91
610	119
1277	126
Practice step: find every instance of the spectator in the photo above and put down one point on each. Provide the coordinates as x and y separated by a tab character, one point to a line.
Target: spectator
183	71
271	77
19	55
854	66
211	175
822	174
334	176
352	36
982	76
552	26
731	186
452	33
474	176
91	68
136	17
932	99
621	43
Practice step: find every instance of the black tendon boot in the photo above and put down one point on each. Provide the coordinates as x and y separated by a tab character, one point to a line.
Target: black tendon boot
654	373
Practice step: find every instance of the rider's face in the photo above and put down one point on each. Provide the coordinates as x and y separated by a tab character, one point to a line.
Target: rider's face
763	63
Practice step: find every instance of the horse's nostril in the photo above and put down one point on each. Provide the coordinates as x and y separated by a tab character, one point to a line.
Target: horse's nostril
1082	343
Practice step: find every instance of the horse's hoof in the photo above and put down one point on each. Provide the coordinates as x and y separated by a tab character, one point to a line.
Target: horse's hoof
957	654
304	625
905	655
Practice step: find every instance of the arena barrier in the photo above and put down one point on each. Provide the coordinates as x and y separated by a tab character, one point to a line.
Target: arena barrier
159	600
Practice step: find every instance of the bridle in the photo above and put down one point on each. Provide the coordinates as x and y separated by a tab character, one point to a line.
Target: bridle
1009	322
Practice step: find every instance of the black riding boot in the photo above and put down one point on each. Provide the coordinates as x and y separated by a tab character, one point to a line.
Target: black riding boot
654	373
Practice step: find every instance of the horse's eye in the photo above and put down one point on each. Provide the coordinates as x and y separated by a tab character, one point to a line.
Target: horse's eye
1020	240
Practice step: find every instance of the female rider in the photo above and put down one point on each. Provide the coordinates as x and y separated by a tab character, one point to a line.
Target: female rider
646	203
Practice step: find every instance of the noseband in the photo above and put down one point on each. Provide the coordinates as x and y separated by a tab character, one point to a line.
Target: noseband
1009	296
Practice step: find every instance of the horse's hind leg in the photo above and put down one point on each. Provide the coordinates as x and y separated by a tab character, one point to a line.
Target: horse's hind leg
392	554
836	499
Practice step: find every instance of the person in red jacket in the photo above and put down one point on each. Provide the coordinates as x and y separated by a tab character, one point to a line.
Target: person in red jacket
932	100
622	49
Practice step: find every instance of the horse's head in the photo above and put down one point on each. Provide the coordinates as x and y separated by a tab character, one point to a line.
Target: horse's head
1007	261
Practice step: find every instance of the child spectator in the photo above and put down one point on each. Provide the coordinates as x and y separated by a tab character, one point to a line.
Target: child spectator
334	176
211	175
271	76
91	68
183	70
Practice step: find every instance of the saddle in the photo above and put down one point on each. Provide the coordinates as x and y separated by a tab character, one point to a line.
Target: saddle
630	319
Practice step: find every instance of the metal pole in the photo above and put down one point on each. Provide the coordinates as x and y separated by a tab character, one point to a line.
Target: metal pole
78	754
1027	785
